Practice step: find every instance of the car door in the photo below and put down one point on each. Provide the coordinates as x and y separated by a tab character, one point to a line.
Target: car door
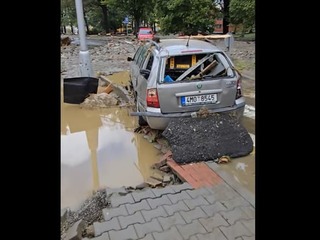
143	79
212	84
134	67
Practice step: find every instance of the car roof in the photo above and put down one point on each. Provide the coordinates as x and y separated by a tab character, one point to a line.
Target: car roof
178	46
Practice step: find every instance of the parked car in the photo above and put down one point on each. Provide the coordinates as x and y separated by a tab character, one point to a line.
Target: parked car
176	77
145	33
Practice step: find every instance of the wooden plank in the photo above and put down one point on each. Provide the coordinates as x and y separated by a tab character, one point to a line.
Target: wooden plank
213	37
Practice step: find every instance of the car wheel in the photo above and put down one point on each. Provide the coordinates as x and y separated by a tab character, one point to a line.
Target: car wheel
141	121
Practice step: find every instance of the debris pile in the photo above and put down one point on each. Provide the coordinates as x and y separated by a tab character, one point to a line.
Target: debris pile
75	223
65	41
100	100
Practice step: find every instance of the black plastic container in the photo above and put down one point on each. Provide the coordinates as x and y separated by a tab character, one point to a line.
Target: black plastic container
76	90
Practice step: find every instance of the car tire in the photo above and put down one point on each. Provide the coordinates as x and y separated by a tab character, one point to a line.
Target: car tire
141	121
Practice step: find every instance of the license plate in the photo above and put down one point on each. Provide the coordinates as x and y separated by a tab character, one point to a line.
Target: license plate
198	99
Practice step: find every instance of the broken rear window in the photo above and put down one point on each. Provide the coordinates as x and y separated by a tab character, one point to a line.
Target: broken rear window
196	66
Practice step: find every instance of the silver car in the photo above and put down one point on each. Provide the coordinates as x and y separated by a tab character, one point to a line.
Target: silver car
177	77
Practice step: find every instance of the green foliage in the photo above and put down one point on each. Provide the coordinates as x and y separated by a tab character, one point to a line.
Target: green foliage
68	12
137	9
187	16
242	12
94	17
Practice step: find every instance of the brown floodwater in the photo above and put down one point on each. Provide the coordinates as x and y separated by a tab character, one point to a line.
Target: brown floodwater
99	149
242	170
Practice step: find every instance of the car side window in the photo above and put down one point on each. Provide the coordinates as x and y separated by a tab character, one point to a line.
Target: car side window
136	55
150	61
142	56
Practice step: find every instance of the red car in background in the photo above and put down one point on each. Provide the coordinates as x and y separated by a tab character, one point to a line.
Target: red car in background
145	33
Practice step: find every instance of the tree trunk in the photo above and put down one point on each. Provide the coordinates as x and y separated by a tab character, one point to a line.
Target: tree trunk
106	26
71	28
235	28
136	27
86	22
225	24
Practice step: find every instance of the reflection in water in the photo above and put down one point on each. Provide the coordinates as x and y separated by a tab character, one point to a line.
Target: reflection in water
99	149
243	170
242	166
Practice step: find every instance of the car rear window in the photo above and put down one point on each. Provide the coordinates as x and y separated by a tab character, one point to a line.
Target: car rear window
145	31
214	65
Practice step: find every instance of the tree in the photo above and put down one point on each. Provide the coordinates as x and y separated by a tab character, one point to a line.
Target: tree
68	14
137	9
243	12
187	16
224	6
103	4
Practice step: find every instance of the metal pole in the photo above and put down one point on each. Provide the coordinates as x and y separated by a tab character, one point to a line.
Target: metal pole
85	61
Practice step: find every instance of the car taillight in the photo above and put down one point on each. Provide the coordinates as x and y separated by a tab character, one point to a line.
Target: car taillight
152	98
239	93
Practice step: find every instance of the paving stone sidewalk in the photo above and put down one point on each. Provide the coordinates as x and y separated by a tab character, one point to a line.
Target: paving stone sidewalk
225	211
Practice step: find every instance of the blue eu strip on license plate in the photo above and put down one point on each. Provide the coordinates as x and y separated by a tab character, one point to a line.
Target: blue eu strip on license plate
183	101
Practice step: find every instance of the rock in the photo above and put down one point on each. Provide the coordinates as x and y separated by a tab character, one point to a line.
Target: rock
165	149
159	164
75	232
163	142
224	159
165	169
157	146
64	215
158	175
89	231
153	182
167	178
141	186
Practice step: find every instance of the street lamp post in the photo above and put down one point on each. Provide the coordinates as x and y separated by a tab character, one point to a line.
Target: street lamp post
84	56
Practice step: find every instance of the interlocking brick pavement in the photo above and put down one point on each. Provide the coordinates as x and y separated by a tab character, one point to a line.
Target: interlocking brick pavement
178	212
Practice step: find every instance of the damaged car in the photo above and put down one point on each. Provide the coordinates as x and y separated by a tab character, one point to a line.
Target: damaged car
177	77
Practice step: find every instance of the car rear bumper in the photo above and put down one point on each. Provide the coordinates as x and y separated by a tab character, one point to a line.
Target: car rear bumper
158	120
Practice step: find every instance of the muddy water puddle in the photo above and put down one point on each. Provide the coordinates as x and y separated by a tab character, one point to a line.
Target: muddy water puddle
242	170
99	149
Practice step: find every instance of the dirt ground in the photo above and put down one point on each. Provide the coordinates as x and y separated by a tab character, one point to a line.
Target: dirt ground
115	49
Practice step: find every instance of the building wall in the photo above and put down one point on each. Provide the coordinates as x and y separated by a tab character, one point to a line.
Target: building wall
219	26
